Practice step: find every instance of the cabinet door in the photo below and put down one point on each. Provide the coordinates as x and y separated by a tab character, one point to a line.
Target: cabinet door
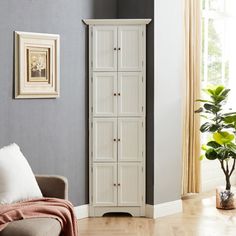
105	184
104	94
105	139
130	139
104	48
130	50
130	91
129	184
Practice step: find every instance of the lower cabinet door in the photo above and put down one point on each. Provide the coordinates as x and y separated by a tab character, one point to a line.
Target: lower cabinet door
105	184
130	185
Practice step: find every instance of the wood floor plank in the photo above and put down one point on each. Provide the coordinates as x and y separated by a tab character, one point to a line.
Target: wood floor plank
199	218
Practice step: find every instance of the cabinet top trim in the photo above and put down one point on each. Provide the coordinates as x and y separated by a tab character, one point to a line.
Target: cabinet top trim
117	21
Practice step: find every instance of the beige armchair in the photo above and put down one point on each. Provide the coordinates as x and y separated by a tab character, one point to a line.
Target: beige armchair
51	186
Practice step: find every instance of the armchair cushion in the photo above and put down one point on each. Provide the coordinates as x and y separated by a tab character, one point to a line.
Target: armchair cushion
33	227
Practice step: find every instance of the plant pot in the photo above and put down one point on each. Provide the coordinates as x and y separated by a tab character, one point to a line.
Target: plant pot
225	199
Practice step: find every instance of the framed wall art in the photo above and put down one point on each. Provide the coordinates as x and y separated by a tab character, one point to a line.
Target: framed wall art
37	61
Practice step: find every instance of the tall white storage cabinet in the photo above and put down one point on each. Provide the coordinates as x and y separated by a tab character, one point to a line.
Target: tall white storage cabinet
117	79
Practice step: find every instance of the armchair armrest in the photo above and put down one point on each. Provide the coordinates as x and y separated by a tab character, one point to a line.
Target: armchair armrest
53	186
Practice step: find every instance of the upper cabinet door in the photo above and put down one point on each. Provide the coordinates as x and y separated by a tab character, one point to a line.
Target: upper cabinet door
130	48
104	48
104	94
104	139
130	94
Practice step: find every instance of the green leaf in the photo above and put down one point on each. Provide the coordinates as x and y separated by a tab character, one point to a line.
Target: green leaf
225	92
232	154
208	91
199	110
231	146
214	89
208	127
223	137
202	100
202	157
230	119
204	147
218	99
223	153
229	113
219	89
214	128
205	127
211	154
213	144
212	108
229	126
204	116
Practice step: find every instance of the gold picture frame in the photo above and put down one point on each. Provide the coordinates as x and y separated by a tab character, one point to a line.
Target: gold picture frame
36	65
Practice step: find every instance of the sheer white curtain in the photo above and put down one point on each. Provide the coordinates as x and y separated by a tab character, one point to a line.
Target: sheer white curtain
218	67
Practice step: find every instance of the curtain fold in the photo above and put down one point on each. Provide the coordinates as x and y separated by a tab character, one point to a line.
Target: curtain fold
191	121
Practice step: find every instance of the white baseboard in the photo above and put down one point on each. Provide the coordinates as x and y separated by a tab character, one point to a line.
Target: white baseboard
82	211
149	211
163	209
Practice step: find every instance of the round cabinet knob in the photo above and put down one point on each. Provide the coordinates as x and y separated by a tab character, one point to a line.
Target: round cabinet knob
119	139
115	49
114	139
118	94
119	184
114	184
114	94
119	49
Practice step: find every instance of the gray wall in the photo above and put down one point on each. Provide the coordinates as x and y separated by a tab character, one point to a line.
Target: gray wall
145	9
52	133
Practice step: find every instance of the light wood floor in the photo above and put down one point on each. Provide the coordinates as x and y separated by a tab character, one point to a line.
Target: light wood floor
199	218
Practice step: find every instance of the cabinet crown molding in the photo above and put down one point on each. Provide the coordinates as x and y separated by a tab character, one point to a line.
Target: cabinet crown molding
117	21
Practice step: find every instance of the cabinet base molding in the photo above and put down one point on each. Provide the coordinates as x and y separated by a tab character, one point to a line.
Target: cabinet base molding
151	211
163	209
82	211
100	211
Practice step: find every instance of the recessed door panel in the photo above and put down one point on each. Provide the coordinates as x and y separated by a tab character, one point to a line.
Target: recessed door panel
130	139
104	48
130	50
130	94
129	184
105	139
105	184
105	94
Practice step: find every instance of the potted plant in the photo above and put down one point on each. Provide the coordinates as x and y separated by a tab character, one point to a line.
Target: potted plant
221	126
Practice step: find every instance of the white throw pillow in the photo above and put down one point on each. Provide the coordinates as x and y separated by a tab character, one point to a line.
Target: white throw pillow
17	181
